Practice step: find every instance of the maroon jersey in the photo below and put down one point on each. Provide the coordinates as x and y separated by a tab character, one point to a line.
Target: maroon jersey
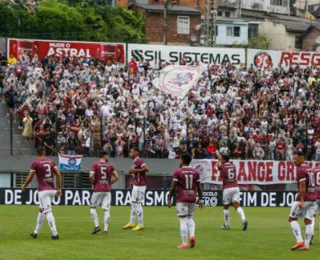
187	178
228	174
304	173
316	175
44	169
139	178
102	176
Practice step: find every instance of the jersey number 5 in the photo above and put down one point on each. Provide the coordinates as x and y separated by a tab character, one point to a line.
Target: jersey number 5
189	181
103	171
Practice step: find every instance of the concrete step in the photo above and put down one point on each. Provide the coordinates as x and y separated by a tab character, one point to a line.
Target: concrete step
17	151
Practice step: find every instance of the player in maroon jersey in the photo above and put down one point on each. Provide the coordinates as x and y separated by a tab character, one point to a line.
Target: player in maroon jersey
138	170
186	181
231	191
102	176
316	175
303	207
45	169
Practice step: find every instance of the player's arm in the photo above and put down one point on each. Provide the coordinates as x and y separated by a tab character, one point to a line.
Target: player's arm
59	180
200	195
115	177
144	168
218	164
28	180
302	189
91	177
172	191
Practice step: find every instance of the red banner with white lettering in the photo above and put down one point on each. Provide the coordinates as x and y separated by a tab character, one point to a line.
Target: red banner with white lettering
31	48
251	172
264	58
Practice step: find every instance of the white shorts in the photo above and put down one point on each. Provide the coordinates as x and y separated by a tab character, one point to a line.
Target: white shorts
316	209
45	198
185	209
138	193
231	195
306	212
101	198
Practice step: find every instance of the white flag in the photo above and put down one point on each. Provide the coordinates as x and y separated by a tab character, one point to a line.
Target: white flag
70	162
178	80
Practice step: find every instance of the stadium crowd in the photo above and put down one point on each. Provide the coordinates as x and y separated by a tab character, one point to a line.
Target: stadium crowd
81	105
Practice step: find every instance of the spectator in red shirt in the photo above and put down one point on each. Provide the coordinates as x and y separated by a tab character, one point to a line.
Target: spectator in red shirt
237	152
212	149
280	149
133	65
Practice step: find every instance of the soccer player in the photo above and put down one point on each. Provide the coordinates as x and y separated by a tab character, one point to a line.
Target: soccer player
102	176
138	170
231	190
186	181
303	207
45	169
316	175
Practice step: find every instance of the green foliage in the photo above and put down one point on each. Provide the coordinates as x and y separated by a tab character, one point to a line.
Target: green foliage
85	20
259	42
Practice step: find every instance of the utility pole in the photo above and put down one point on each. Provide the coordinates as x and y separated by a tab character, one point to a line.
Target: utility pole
289	8
211	7
165	19
307	8
239	9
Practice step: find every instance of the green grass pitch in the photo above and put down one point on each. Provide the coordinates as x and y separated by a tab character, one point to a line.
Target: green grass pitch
269	235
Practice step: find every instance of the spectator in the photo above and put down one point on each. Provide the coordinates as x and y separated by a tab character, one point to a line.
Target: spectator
280	149
199	152
237	152
258	152
27	128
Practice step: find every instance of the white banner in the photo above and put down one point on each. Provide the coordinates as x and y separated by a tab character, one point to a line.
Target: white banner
264	58
178	80
251	172
156	54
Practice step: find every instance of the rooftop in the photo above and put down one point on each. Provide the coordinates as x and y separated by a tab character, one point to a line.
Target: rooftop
172	9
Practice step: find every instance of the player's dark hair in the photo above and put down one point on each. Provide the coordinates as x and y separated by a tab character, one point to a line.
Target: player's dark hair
103	154
186	158
135	149
225	157
300	154
40	151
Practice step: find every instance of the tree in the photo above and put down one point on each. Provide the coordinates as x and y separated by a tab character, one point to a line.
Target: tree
259	42
85	20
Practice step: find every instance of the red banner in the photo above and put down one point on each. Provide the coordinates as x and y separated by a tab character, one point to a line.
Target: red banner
30	48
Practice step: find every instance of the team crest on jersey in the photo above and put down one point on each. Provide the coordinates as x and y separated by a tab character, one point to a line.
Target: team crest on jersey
72	161
180	78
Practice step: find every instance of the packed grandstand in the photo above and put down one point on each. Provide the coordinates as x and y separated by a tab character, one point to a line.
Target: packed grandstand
83	105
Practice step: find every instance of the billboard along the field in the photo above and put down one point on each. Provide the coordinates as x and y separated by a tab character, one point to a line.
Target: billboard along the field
30	48
264	58
155	54
81	197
